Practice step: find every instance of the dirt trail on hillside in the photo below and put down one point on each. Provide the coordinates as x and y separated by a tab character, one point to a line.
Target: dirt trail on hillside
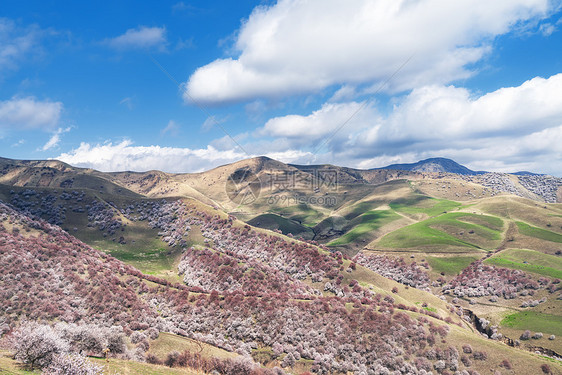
509	235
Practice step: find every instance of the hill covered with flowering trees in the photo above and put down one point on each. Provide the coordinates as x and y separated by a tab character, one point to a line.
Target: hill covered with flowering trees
259	294
416	279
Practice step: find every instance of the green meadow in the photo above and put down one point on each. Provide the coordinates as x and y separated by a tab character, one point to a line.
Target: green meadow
535	322
366	223
543	234
451	229
529	261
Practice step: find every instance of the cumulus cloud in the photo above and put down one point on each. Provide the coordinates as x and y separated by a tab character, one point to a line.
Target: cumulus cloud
123	156
517	125
322	124
304	46
142	37
510	129
447	113
29	113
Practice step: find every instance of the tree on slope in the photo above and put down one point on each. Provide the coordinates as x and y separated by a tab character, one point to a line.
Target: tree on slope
37	345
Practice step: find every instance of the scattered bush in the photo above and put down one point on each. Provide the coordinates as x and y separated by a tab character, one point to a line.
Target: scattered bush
480	356
172	359
439	365
480	280
72	364
506	364
152	359
395	268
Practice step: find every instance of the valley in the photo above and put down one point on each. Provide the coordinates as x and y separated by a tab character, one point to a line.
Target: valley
264	267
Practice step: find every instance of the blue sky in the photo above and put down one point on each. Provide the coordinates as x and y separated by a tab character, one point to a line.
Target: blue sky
187	86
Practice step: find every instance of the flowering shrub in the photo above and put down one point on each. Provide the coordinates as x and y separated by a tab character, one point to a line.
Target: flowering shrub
37	345
72	364
479	280
54	275
298	259
51	275
396	269
212	270
237	366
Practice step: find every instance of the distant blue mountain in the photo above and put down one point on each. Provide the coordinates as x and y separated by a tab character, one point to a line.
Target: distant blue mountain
434	165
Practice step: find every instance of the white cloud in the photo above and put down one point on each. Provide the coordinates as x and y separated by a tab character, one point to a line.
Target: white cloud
304	46
445	114
325	122
142	38
212	121
547	29
510	129
55	139
515	125
17	42
128	102
290	156
19	143
123	156
29	113
344	93
172	128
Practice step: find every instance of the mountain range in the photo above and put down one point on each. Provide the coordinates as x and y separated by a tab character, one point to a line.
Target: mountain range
434	165
259	264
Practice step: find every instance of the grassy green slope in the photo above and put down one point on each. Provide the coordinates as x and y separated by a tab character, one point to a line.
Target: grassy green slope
286	226
529	261
534	321
421	204
451	229
365	223
543	234
303	213
143	247
450	265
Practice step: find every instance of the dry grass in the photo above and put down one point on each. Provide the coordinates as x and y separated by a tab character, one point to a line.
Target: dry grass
122	367
407	295
168	342
10	367
523	361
